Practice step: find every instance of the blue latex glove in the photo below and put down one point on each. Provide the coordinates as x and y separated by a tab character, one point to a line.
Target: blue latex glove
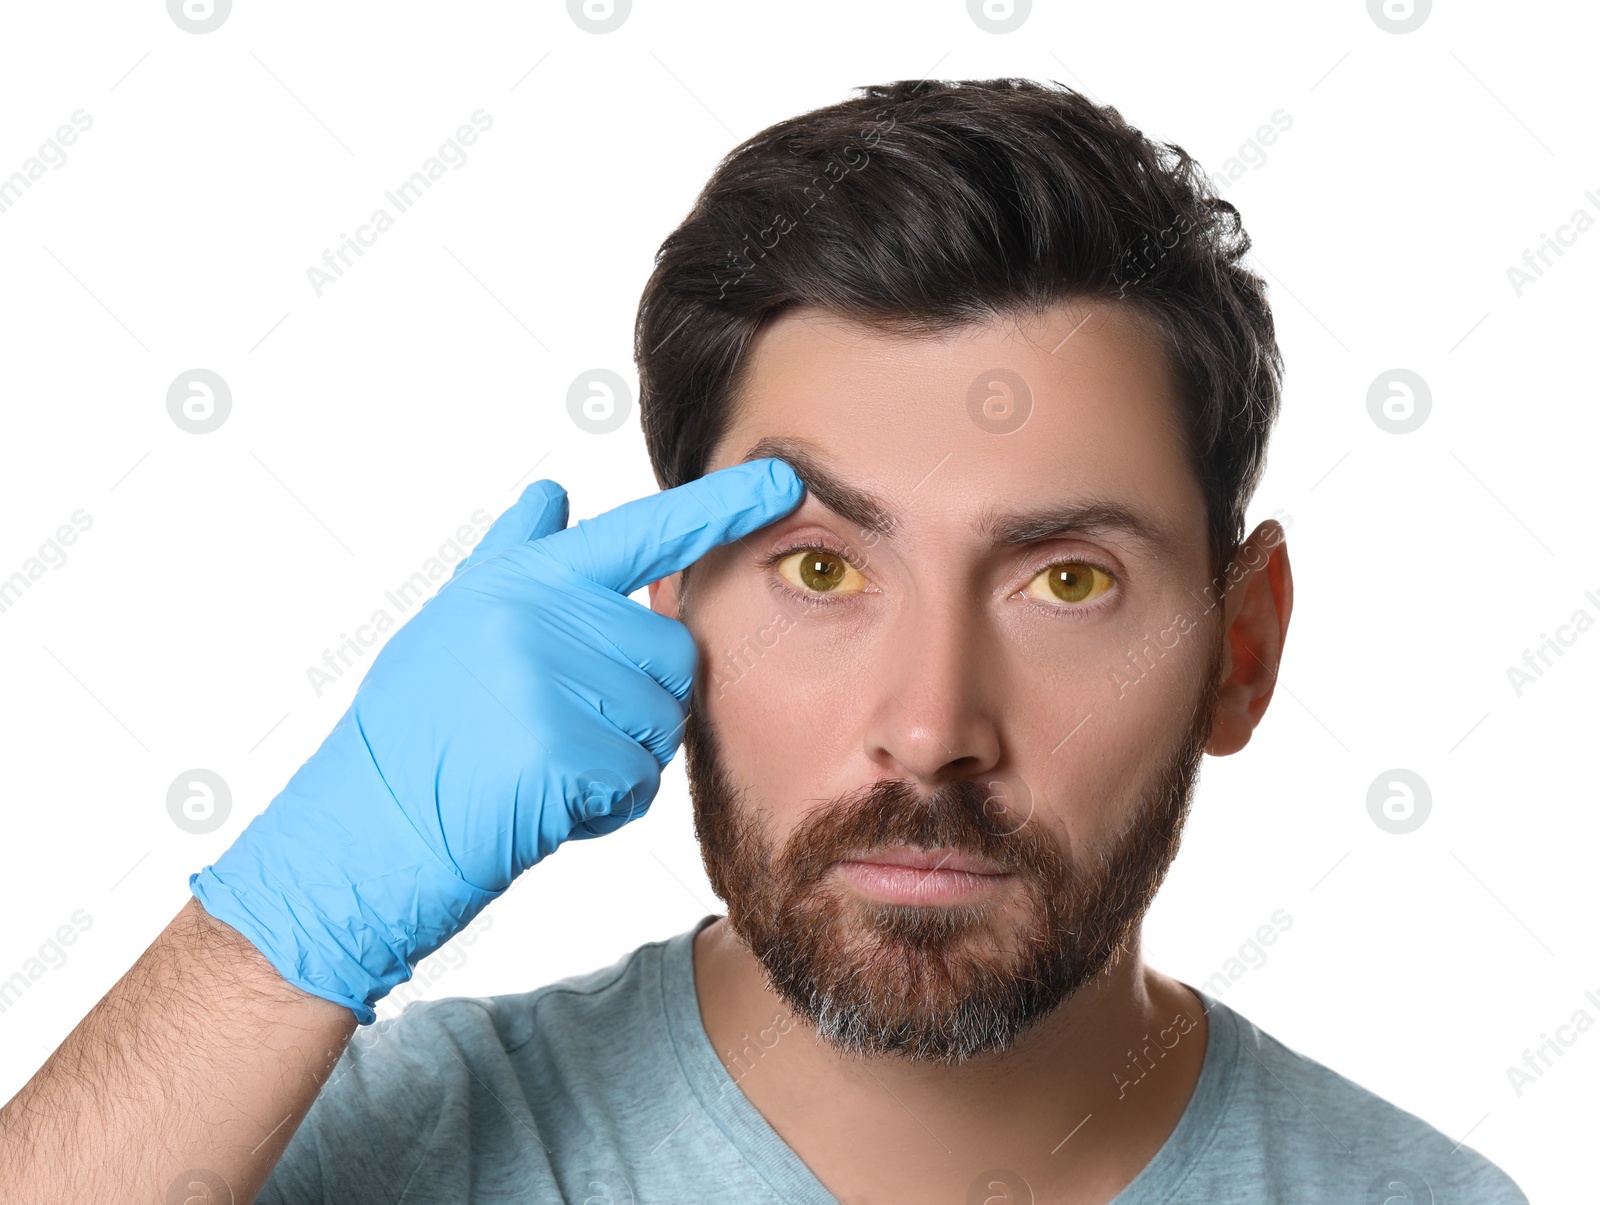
529	702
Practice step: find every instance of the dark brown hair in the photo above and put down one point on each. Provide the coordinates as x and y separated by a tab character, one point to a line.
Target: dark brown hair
925	205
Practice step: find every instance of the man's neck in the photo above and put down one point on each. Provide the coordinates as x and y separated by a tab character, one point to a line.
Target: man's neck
1076	1108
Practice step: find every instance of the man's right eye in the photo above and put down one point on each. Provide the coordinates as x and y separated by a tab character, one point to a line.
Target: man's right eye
821	571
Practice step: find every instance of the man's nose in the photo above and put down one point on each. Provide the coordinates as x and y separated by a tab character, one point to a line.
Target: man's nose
937	690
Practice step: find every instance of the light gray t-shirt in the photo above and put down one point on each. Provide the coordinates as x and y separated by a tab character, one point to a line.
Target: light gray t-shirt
604	1089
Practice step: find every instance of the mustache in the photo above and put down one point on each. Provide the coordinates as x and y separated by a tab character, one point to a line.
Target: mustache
959	815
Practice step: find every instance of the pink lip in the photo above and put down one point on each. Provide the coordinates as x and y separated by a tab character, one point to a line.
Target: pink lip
904	874
913	858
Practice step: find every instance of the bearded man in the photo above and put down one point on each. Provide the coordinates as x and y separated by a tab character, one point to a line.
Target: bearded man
957	395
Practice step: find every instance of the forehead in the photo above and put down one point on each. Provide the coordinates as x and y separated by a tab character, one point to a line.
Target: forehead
1075	402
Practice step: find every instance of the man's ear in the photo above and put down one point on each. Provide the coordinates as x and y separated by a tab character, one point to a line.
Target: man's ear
1260	596
664	595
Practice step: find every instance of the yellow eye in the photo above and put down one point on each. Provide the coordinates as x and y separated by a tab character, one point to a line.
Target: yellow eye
821	572
1070	582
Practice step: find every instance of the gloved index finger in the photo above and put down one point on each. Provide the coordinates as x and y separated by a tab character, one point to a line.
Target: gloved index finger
649	538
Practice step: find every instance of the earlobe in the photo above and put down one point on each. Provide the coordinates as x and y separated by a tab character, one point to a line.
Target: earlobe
1257	611
664	596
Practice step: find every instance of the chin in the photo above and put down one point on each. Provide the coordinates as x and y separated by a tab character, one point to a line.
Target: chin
936	983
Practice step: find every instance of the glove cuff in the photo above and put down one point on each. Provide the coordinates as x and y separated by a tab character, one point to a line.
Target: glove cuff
349	942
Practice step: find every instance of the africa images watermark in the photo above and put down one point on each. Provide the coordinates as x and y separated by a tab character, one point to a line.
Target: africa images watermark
411	592
1251	956
1535	261
50	956
740	658
50	155
1537	1061
745	1059
813	193
52	554
1149	1055
402	197
1537	659
1139	262
1252	154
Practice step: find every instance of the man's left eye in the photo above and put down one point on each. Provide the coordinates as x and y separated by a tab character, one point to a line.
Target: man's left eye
1070	582
821	572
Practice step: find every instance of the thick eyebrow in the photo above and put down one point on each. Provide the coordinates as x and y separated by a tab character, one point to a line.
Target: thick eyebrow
1092	517
1088	517
865	510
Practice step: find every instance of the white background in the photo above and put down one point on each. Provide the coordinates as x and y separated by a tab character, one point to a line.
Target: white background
369	423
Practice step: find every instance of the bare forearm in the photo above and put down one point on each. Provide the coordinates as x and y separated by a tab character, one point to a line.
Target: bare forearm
200	1057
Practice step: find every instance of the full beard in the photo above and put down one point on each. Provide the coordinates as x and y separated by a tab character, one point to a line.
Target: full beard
929	982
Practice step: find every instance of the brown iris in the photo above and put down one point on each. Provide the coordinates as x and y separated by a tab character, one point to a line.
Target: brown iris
1071	582
820	570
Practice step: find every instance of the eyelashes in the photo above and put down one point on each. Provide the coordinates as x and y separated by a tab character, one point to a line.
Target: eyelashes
804	581
814	544
821	571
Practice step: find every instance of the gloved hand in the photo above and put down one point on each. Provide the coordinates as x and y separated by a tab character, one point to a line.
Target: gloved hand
529	702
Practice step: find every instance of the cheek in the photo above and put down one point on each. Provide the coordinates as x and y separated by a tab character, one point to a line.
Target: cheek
788	711
786	704
1126	703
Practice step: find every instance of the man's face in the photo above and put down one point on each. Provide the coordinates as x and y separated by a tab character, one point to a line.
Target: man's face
939	755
